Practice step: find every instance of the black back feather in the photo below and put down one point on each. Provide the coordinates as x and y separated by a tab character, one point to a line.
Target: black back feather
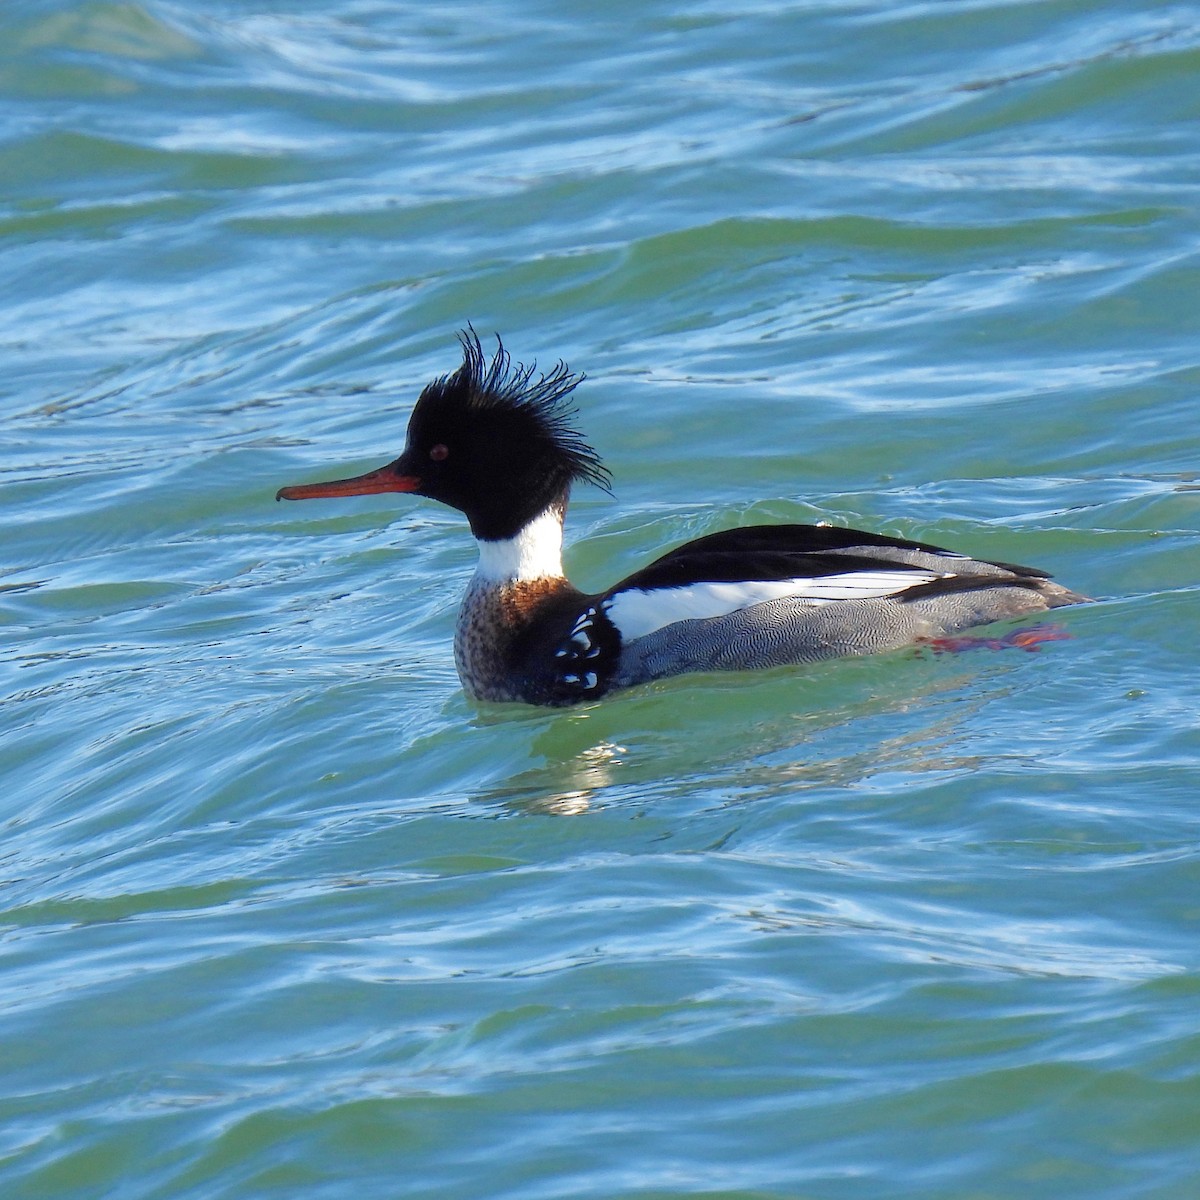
764	552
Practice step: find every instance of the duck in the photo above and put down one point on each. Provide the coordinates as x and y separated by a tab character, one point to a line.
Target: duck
498	442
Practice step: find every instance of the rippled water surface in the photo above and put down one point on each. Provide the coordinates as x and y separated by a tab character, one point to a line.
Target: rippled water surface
284	914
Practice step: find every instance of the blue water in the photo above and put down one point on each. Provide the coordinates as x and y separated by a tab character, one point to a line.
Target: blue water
284	914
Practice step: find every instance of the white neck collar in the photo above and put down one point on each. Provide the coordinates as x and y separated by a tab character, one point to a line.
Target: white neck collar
535	553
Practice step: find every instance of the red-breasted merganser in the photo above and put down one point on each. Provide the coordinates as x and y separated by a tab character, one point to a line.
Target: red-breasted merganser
499	445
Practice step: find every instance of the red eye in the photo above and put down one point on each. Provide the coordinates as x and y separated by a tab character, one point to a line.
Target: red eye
439	453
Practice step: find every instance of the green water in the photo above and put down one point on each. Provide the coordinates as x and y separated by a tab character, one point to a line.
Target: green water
283	914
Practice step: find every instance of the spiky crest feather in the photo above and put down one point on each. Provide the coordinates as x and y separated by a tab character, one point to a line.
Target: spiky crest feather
502	386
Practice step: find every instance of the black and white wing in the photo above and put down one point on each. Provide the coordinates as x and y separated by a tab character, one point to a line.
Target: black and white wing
698	607
817	565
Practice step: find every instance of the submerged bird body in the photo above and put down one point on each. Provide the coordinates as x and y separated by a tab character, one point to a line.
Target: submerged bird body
498	445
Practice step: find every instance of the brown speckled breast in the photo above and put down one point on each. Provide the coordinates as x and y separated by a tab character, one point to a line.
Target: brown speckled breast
491	624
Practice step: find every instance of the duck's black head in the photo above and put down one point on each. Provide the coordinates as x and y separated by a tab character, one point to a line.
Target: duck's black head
490	440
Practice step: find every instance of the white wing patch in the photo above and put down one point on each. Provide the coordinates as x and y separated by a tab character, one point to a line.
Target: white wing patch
636	613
